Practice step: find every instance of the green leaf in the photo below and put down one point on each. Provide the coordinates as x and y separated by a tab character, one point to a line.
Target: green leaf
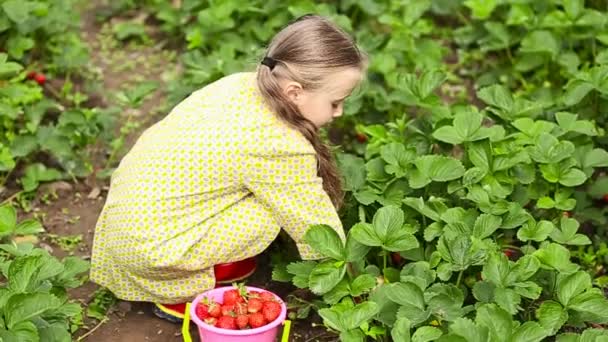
497	96
448	134
576	90
572	177
525	267
353	170
551	316
419	273
545	203
529	332
486	225
429	81
484	291
481	9
55	332
535	231
507	299
515	217
301	271
406	294
440	168
354	249
557	257
332	318
573	8
23	145
324	240
401	330
29	227
497	320
419	205
24	331
540	41
527	289
8	69
471	332
426	334
387	220
597	157
361	313
567	234
593	304
365	234
352	336
362	284
569	286
17	11
23	307
8	220
496	269
325	276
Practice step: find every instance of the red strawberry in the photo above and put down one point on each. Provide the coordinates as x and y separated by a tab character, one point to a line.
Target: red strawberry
509	253
214	310
232	297
227	310
396	257
226	322
31	75
40	79
211	321
267	296
254	294
202	311
256	320
271	310
254	305
240	308
361	137
606	198
242	321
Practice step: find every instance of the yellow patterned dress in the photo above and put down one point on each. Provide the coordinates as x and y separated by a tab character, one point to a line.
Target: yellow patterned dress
213	182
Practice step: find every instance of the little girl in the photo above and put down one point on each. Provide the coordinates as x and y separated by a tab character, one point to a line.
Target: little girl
217	178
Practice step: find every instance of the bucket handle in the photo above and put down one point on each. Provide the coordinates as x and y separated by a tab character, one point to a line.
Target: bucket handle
188	338
186	324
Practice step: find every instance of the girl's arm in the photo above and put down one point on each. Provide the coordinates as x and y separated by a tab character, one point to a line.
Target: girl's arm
285	181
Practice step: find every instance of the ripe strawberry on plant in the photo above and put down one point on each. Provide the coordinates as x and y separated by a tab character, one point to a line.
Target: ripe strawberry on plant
256	320
361	137
271	310
40	79
226	322
254	305
605	198
242	321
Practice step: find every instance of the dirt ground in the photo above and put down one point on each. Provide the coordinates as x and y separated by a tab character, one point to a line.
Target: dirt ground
76	209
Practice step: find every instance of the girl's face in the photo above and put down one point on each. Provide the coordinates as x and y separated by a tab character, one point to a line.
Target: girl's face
321	106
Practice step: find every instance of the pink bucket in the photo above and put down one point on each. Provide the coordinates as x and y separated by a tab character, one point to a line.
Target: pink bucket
208	333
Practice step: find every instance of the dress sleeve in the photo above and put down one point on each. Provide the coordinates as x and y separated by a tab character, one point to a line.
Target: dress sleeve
281	172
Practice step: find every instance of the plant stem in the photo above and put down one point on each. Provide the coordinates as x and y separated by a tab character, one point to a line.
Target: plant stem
105	319
459	278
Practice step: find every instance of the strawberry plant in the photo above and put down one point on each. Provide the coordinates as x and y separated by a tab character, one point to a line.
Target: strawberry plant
34	304
448	190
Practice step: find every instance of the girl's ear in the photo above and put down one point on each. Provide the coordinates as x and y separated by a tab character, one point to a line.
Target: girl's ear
293	91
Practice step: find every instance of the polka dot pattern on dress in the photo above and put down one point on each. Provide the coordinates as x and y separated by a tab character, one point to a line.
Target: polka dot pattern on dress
213	182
